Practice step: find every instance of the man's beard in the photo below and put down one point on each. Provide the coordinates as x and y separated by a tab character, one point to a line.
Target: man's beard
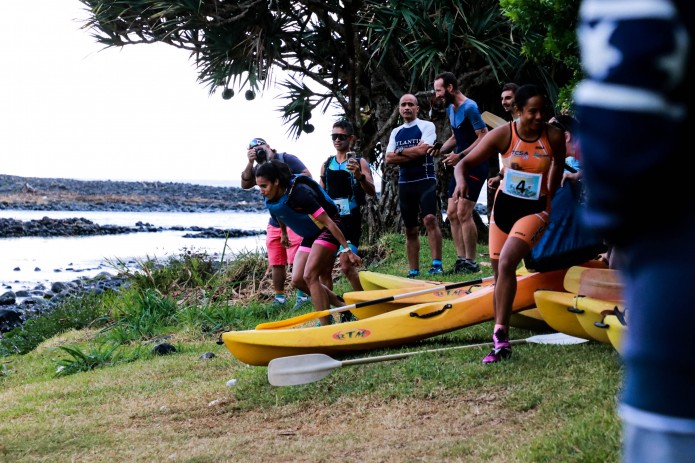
448	98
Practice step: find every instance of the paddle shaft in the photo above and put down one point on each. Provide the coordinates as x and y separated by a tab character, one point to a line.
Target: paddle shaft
323	313
395	297
309	368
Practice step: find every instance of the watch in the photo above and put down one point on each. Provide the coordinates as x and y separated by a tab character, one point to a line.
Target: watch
399	151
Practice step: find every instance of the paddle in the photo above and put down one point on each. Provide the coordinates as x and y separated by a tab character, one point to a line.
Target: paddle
309	368
294	321
492	120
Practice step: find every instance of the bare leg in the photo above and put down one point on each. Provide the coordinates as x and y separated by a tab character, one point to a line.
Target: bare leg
321	296
505	288
469	232
300	259
456	236
412	247
434	236
278	274
350	272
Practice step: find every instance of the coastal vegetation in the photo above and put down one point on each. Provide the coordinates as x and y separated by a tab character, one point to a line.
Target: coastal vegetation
86	383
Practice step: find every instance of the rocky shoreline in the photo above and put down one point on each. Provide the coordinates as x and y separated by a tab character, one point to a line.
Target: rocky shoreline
58	194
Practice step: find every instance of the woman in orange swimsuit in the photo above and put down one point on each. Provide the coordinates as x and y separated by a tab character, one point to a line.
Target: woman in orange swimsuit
533	156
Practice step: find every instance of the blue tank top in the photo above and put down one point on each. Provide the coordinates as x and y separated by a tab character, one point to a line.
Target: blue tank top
297	216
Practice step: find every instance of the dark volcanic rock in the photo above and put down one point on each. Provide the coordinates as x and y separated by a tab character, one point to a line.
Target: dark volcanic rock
32	193
59	194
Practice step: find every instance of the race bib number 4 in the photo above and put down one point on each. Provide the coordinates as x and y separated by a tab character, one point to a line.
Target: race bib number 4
524	185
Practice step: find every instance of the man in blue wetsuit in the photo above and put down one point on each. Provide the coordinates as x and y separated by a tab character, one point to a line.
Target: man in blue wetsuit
636	108
468	128
410	147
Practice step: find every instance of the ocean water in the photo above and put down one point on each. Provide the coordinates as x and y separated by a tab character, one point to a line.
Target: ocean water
29	261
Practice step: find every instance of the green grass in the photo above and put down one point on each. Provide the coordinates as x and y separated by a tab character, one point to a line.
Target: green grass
114	400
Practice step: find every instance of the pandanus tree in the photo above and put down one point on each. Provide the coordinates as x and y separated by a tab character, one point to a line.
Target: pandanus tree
358	56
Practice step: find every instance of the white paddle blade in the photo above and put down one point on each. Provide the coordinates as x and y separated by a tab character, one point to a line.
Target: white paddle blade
556	339
300	369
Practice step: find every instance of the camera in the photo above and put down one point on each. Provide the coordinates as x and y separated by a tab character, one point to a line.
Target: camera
261	155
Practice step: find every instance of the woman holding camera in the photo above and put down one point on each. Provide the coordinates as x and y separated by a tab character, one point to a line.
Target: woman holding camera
299	202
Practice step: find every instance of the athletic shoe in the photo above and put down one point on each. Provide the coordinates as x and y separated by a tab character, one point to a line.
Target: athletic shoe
459	265
466	266
502	349
301	301
413	274
279	301
435	270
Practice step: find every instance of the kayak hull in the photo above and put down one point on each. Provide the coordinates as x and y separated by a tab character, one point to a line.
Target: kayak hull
616	331
392	285
441	295
574	314
393	328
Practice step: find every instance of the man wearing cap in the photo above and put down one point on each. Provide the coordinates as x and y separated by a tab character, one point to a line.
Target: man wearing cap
280	251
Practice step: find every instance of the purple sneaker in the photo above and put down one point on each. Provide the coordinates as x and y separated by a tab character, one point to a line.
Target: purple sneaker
502	349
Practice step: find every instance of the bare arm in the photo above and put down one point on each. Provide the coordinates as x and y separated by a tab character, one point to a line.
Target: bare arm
363	174
486	147
408	154
338	235
248	180
454	158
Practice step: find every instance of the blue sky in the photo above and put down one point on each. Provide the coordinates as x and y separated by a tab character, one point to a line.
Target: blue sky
72	110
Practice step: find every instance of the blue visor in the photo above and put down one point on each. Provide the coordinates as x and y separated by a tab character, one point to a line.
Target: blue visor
256	142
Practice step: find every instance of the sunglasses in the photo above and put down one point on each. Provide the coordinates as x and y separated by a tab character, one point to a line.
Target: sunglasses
339	136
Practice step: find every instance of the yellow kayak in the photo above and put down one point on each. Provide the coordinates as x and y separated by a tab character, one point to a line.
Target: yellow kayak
590	313
530	319
393	328
616	331
553	306
438	294
576	315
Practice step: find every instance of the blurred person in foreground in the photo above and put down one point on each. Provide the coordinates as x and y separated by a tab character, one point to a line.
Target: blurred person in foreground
281	249
636	108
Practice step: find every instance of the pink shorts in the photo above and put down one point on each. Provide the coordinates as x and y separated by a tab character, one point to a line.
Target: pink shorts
277	253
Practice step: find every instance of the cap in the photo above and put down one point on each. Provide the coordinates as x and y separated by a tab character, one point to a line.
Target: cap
257	141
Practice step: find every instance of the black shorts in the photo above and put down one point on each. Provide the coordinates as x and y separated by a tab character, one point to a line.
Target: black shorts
508	209
475	180
417	197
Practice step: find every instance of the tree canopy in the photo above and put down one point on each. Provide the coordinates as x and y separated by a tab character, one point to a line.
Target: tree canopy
357	55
